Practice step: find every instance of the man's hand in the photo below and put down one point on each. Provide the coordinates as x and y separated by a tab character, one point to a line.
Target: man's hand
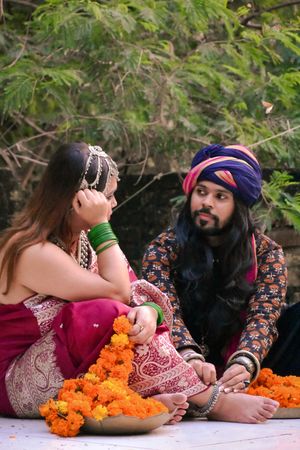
234	378
206	371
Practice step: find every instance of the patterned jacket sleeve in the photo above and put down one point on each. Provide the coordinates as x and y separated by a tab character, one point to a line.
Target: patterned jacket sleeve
266	303
157	263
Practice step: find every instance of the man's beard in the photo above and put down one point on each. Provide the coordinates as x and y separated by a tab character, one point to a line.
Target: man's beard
214	230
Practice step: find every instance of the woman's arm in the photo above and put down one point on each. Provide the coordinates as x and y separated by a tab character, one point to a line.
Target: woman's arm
93	208
46	269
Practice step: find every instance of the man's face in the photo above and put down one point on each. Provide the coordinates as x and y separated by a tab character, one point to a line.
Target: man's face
212	207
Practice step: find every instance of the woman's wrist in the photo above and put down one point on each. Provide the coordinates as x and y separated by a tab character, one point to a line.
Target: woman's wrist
98	222
160	314
102	234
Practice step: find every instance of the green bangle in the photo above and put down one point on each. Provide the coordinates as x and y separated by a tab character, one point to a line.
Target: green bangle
110	244
101	240
100	234
160	314
99	228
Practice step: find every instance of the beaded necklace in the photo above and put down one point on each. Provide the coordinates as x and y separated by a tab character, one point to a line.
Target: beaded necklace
83	256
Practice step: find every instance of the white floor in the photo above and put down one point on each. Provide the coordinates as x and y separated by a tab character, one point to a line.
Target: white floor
276	434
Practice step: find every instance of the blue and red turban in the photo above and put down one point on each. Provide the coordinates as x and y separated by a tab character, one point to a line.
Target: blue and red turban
234	167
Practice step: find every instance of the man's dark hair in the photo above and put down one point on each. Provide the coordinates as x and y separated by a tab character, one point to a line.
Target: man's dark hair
211	282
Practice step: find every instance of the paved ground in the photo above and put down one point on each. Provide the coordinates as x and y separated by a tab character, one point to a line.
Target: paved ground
276	434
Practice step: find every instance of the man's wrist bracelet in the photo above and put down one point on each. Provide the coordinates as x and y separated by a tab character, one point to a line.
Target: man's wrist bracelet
246	359
242	361
189	355
160	314
194	356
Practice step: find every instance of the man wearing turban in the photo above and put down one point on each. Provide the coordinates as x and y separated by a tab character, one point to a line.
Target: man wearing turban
226	280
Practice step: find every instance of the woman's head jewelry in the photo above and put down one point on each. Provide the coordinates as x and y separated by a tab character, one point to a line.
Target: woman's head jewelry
99	157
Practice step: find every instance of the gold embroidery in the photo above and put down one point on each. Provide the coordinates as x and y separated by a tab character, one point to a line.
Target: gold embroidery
158	368
34	378
44	310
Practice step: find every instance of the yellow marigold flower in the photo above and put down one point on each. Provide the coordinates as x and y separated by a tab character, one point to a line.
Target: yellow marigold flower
114	385
99	412
119	340
92	377
62	407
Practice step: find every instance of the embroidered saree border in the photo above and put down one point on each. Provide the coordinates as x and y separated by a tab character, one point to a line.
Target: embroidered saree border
33	378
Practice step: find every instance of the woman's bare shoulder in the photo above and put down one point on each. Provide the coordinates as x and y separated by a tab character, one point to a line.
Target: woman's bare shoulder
43	253
41	249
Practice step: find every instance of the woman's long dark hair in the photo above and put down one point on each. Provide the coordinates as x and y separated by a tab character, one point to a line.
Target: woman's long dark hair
47	212
212	294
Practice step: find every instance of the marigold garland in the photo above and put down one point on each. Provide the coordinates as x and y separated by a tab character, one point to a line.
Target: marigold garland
103	391
286	390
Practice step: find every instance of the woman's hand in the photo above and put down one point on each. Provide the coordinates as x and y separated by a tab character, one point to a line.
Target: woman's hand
205	371
143	319
234	378
91	206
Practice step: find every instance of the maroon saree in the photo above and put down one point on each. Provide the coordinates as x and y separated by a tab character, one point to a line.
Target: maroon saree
44	340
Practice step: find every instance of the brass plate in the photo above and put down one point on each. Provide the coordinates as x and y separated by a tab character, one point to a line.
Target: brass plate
287	413
125	424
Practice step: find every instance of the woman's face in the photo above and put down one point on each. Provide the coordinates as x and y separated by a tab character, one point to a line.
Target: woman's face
110	194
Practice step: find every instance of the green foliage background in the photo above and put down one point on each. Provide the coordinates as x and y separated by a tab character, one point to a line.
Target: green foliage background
151	82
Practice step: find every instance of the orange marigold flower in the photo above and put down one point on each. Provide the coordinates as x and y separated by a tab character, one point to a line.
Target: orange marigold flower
286	390
102	391
61	427
122	325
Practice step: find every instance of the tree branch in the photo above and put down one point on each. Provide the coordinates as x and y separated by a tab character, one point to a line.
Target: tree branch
155	178
272	8
30	170
253	25
23	2
289	130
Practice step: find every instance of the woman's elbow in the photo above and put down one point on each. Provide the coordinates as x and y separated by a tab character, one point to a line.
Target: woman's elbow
123	295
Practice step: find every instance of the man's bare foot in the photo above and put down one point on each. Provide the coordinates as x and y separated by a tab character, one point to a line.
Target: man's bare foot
243	408
176	403
237	407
